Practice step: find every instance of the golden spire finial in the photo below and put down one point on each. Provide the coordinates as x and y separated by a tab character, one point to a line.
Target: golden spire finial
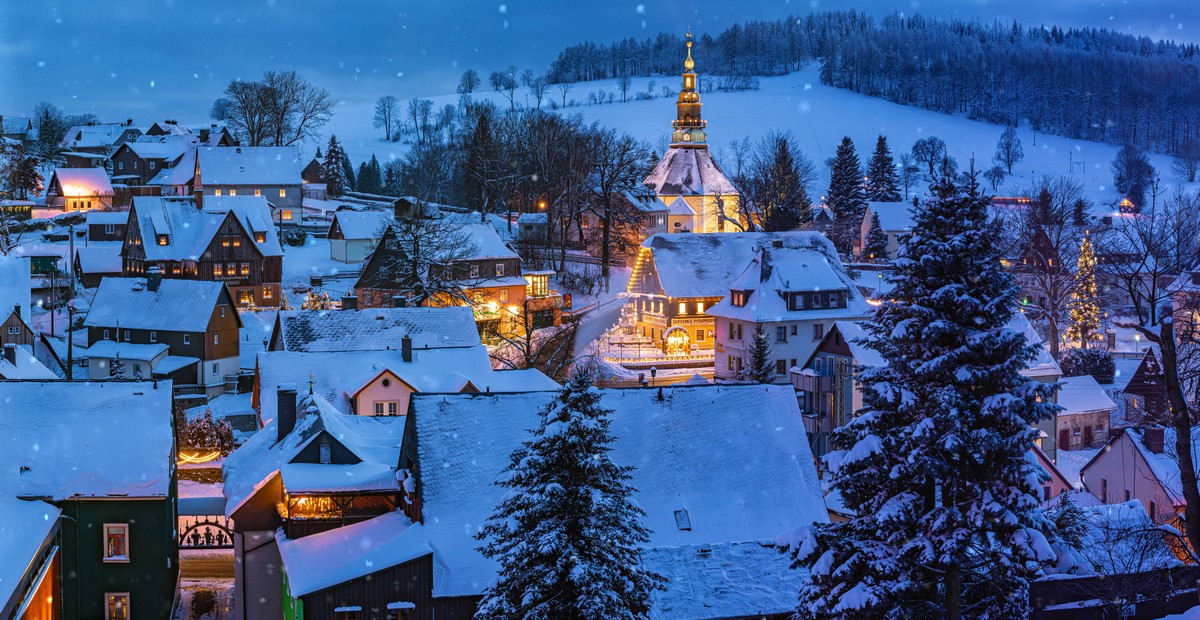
689	63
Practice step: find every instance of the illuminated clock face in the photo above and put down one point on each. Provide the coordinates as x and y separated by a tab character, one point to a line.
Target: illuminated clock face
687	137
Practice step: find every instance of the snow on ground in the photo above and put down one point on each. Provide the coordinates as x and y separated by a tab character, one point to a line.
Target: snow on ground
818	115
1191	614
313	259
1069	462
221	588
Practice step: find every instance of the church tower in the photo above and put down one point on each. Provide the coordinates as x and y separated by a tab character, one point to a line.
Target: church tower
694	193
689	127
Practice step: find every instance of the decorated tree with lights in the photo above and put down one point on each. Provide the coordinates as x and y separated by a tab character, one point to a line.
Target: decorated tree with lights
567	533
317	301
935	465
1085	306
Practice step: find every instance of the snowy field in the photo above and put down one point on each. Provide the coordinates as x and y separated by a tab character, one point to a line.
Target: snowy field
816	114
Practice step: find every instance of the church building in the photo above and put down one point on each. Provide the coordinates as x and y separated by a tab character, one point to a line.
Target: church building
688	181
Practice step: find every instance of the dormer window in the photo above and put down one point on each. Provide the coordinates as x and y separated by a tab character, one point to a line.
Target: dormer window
739	299
162	240
260	237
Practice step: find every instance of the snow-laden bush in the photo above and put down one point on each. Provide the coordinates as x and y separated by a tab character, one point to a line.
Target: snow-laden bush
1095	362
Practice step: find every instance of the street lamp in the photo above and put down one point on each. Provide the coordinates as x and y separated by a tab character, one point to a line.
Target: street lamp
653	373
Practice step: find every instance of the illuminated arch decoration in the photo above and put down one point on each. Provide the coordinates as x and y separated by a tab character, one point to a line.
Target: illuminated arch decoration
677	341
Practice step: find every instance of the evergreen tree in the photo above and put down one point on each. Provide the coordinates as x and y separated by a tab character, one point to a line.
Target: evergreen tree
760	356
936	463
876	249
348	169
845	196
20	173
332	170
882	183
777	184
116	367
1085	306
565	493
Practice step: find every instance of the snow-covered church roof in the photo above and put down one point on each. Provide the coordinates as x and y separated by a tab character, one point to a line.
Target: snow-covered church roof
689	171
713	465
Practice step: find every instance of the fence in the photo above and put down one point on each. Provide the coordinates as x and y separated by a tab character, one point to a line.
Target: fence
1089	597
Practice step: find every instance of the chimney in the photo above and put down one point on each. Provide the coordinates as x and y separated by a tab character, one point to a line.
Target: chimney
198	195
399	301
10	353
285	416
129	122
1153	438
349	302
406	348
153	278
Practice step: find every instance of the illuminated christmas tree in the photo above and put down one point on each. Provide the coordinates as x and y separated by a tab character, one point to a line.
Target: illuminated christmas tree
1085	301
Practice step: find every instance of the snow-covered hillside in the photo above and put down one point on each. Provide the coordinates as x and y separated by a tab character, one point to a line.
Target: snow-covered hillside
818	115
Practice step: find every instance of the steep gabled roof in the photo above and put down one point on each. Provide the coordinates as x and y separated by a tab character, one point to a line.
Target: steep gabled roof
762	483
689	172
82	182
190	231
177	305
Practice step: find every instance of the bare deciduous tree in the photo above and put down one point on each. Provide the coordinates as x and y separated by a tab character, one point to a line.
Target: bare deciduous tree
387	115
283	109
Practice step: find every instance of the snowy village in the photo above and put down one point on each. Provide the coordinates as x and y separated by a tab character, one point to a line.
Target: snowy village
677	312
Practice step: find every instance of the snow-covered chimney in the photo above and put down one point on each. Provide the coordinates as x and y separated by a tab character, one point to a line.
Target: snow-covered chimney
285	416
154	278
1153	438
406	348
10	353
198	195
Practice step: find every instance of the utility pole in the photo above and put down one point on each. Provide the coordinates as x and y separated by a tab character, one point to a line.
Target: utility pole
70	344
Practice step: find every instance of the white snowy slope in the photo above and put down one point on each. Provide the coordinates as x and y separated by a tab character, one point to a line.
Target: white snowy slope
816	114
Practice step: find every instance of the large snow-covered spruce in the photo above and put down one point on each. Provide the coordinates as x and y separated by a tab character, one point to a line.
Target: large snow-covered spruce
567	534
934	464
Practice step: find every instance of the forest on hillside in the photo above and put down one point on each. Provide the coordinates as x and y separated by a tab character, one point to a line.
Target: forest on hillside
1092	84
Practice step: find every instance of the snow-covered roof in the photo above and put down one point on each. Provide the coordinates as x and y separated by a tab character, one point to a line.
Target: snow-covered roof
763	482
361	224
127	350
190	230
15	124
893	216
373	439
329	558
689	172
250	165
1082	394
1165	464
852	332
179	174
730	580
484	237
774	272
337	377
24	528
533	219
177	305
15	285
92	136
169	150
707	264
104	439
82	182
27	367
377	329
100	258
1043	364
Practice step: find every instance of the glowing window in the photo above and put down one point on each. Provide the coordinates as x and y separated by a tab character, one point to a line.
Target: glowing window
116	542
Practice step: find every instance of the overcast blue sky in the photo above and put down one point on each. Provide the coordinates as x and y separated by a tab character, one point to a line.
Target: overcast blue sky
171	58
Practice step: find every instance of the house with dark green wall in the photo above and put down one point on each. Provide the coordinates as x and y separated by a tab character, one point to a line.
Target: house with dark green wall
104	454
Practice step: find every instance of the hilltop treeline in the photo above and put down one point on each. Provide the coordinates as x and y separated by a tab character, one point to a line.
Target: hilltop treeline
1087	83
